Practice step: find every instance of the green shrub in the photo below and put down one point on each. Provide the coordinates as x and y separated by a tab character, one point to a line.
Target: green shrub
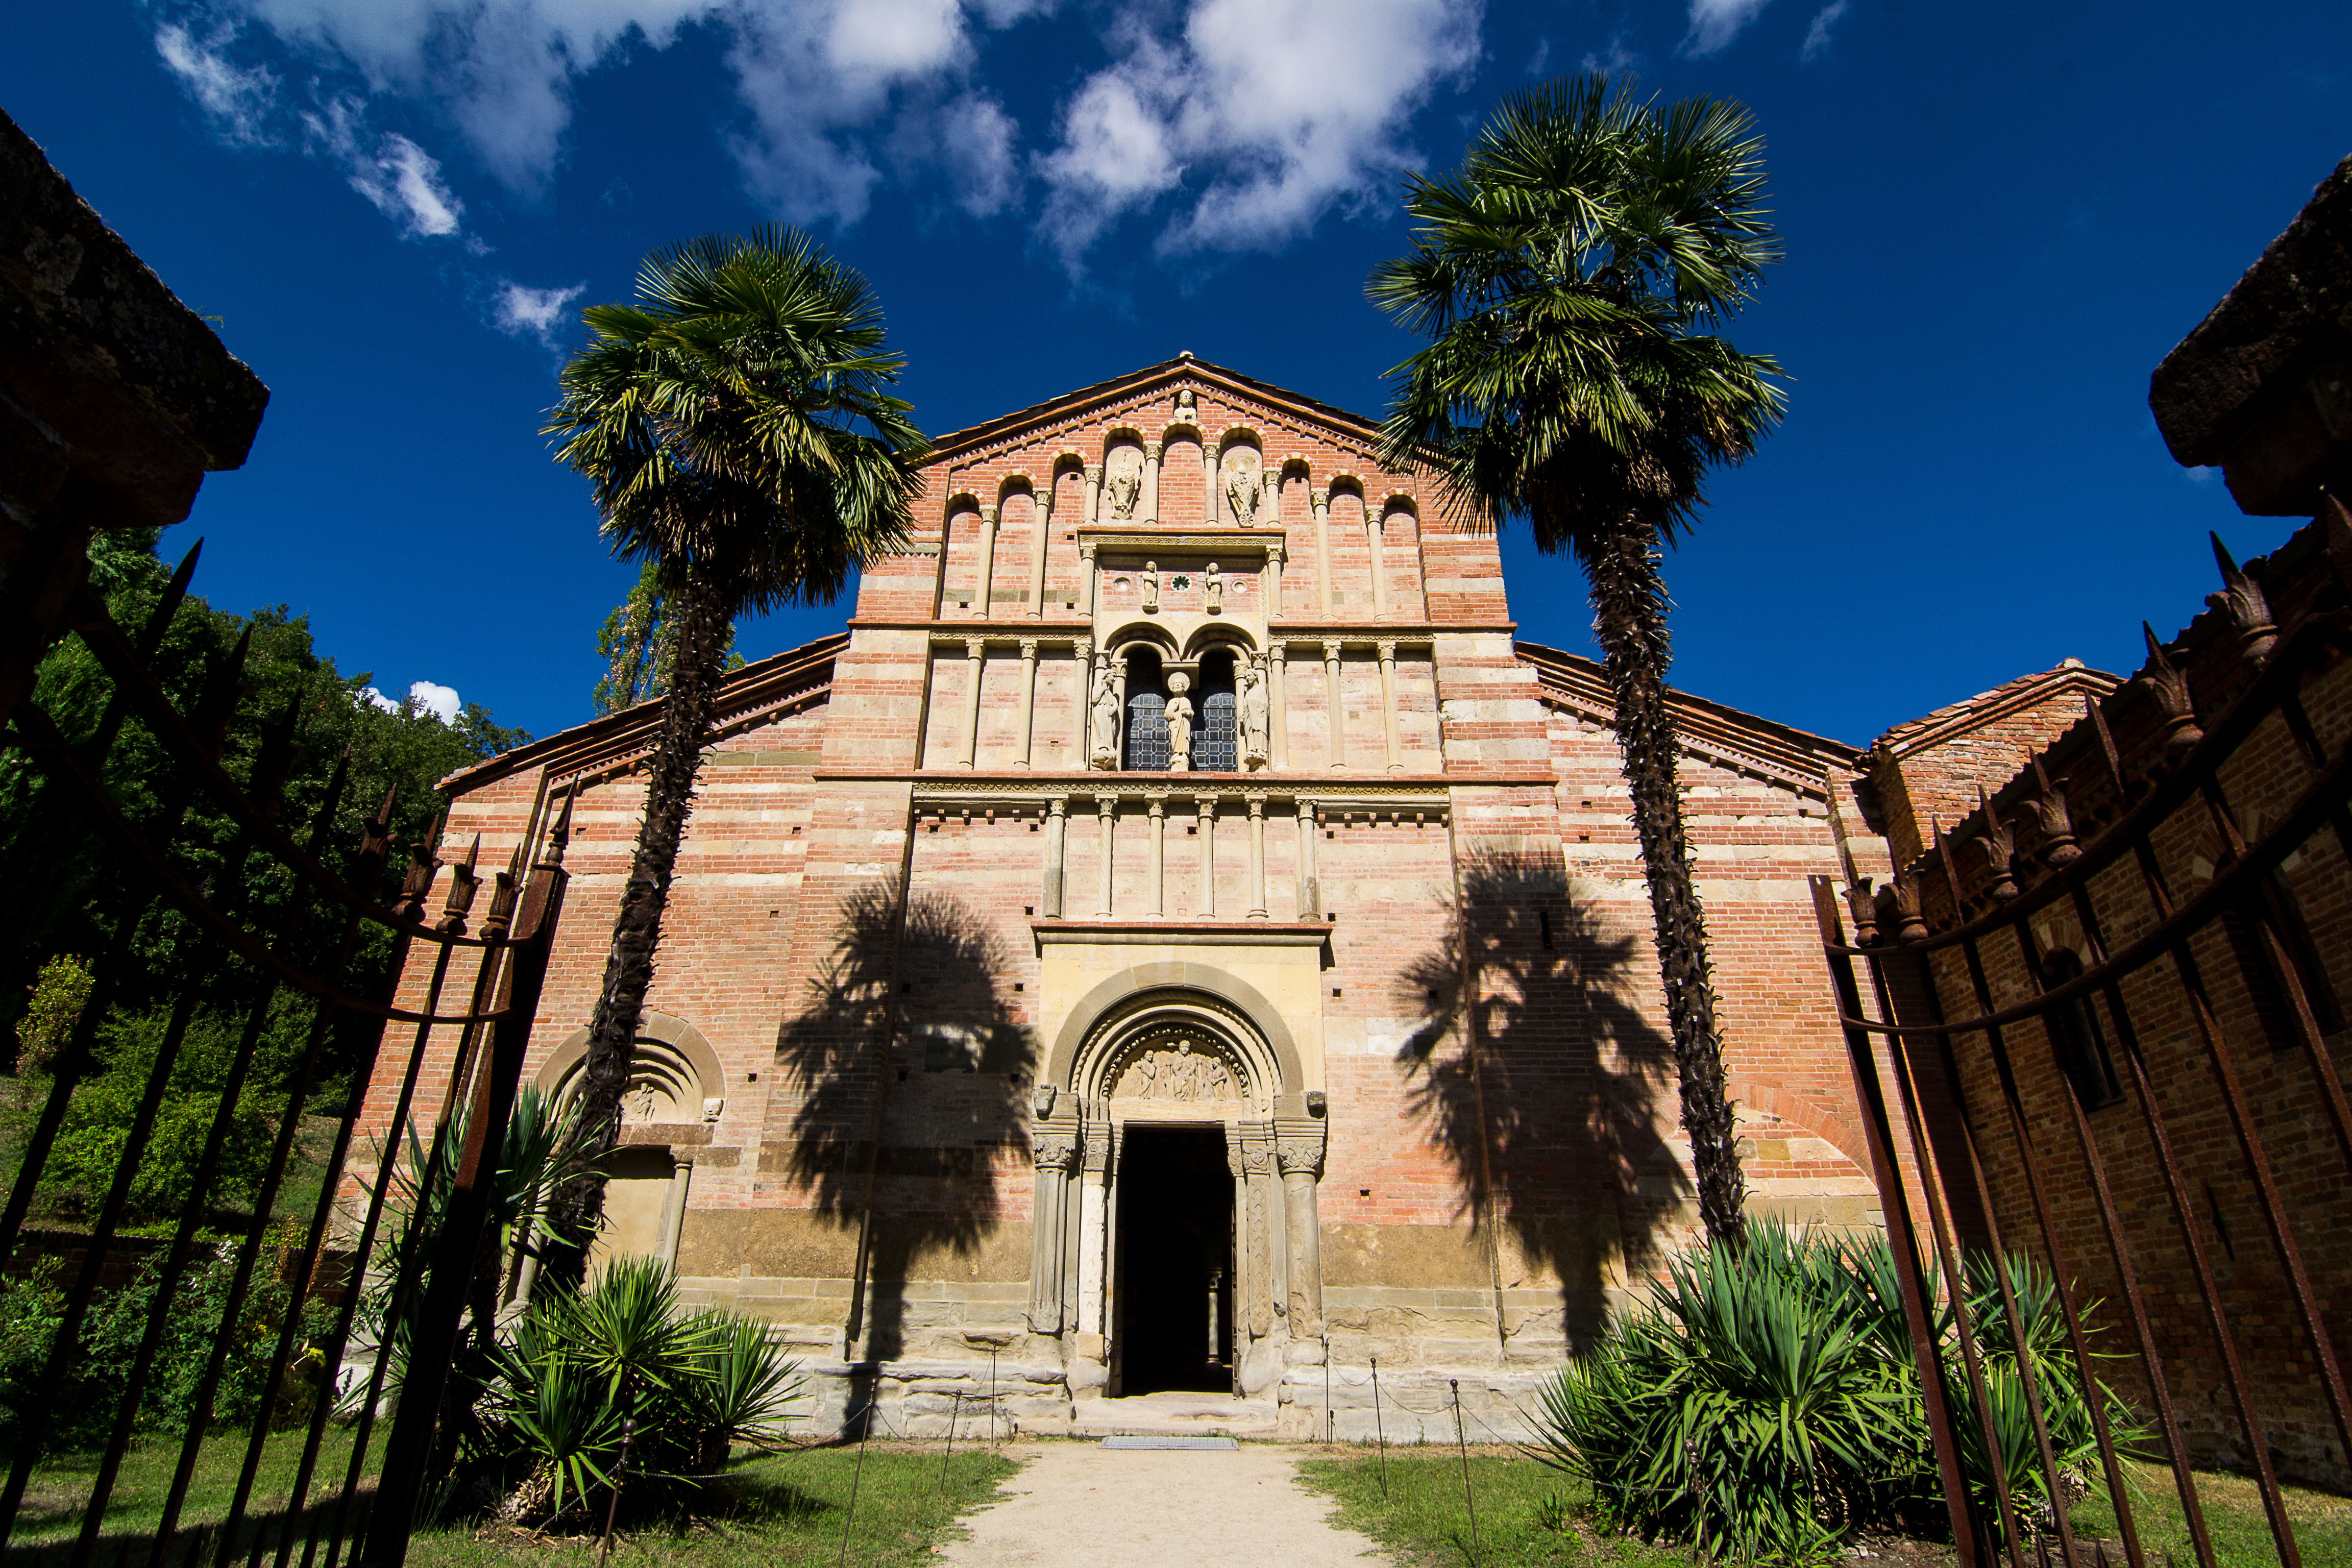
574	1373
1766	1406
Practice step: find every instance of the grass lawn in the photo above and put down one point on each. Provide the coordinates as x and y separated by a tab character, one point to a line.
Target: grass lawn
2234	1518
775	1512
1531	1515
778	1510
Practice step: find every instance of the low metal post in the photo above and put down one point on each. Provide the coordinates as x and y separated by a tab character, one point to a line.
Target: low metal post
856	1474
953	1411
1462	1446
1380	1432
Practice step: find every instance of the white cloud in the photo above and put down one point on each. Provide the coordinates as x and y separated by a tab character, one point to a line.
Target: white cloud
1714	22
402	179
424	697
441	702
521	312
237	99
1612	57
1817	37
1286	107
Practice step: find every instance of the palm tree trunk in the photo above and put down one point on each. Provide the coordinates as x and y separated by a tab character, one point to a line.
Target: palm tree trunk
696	653
1629	600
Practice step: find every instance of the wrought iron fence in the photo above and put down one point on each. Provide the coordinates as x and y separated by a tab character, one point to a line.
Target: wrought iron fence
2120	989
274	924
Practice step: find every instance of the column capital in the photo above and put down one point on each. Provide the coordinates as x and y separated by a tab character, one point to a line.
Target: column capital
1094	472
1205	801
1277	652
1308	807
1058	805
1319	496
973	648
1029	649
988	515
1152	452
1331	646
1087	550
1083	650
1301	1155
1388	646
1054	1150
1105	805
1256	802
1156	803
1276	551
1043	500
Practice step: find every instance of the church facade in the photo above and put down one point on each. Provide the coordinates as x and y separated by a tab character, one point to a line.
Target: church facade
1177	940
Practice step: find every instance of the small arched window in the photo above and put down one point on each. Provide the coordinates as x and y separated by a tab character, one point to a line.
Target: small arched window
1215	746
1147	714
2076	1035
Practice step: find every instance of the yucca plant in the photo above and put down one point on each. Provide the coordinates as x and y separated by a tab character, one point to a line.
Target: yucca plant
1766	1405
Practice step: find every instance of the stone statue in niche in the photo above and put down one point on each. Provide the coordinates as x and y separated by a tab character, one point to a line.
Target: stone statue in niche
1212	583
1180	724
1245	487
1185	408
1181	1074
1252	701
1104	748
1150	587
1123	482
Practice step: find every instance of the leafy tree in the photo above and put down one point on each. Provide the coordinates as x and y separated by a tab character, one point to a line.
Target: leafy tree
631	643
1567	278
739	437
71	883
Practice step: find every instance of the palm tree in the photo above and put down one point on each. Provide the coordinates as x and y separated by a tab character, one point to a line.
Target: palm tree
1567	278
736	429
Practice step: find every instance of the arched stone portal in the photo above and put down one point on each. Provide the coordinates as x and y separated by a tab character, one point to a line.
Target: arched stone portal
1175	1241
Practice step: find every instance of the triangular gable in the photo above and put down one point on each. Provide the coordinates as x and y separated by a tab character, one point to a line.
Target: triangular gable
1105	400
1711	732
1985	708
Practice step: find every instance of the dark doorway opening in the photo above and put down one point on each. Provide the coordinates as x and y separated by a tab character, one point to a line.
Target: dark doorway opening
1175	1285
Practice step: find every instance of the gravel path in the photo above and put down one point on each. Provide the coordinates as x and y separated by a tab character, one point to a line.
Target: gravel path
1079	1505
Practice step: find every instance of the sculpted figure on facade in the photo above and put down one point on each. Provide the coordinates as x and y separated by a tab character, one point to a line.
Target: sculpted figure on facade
1252	701
1123	482
1213	588
1181	1074
1104	750
1150	586
1180	724
1245	487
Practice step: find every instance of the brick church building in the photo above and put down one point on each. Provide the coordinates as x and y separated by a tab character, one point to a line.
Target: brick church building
1274	989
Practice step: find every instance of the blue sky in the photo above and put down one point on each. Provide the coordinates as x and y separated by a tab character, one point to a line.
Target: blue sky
1998	217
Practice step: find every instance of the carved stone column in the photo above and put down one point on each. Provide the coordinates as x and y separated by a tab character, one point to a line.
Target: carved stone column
1057	830
1321	501
974	651
1105	810
1094	1234
987	561
1150	507
1212	500
1335	742
1302	1165
1257	1227
1310	887
1087	572
1052	1146
673	1215
1038	561
1157	806
1278	695
1275	556
1094	472
1029	697
1375	531
1204	808
1257	856
1389	703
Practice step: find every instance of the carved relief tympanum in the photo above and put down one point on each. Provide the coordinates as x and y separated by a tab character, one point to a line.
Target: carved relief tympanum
1178	1071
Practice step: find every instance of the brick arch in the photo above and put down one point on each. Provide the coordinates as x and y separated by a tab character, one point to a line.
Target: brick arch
1175	978
1833	1124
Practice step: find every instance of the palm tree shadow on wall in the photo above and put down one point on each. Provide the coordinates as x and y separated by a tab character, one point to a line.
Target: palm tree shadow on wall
919	1018
1554	1131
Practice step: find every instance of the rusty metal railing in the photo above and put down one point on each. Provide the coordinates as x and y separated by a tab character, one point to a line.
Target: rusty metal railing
272	921
2077	920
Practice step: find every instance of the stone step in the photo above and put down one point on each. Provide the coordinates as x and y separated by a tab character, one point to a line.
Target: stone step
1174	1415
